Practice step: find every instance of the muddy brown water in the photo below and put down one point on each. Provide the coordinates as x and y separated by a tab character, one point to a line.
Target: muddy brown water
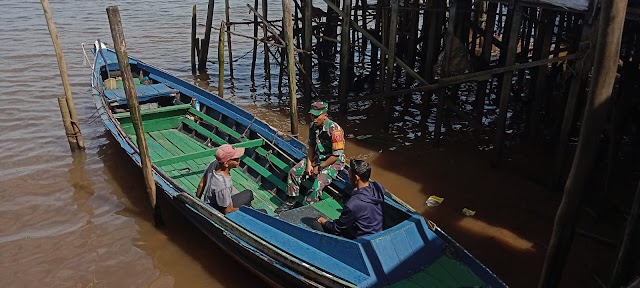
82	220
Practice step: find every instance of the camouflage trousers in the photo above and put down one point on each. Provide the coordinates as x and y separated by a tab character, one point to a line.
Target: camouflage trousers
324	178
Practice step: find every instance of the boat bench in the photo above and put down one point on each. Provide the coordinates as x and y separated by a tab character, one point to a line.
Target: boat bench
144	93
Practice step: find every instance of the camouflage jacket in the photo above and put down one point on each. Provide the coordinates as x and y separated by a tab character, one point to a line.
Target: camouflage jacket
326	141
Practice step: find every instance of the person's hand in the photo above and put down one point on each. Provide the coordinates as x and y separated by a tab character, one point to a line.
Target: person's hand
321	220
308	169
316	170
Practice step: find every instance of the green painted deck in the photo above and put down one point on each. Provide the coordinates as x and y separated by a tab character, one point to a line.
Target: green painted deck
443	273
184	158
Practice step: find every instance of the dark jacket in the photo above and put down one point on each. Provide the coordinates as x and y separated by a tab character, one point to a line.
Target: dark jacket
362	215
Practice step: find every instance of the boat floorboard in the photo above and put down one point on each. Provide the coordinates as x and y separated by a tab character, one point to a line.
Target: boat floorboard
444	272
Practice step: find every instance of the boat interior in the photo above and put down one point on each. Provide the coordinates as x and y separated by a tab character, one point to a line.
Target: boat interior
182	134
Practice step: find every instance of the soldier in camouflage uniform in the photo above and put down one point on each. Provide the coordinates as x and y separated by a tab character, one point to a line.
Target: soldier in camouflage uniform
325	157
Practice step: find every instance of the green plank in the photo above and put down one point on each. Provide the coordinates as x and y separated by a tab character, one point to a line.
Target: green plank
201	154
216	123
176	146
172	150
154	111
264	172
154	125
204	131
329	207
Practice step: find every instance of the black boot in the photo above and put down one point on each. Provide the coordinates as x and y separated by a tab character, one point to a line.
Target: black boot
287	205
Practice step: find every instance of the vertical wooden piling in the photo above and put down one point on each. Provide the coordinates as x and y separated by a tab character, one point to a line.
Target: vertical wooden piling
66	123
223	28
505	92
604	73
254	54
62	66
391	46
193	40
287	27
541	51
117	34
487	47
226	15
441	93
374	48
204	49
431	20
307	46
345	49
265	37
627	242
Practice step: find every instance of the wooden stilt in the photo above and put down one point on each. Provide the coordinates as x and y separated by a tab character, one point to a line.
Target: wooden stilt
66	122
505	92
411	40
204	49
449	38
307	64
254	54
604	74
431	18
223	29
117	34
193	40
267	63
393	25
542	51
487	47
345	49
62	66
226	15
287	27
374	48
627	241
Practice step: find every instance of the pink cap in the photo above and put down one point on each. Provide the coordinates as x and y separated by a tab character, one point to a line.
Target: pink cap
227	152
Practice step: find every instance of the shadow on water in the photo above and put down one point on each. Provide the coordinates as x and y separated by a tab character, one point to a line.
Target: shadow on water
197	247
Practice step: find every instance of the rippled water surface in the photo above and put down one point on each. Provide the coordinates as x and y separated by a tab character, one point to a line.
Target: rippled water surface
83	220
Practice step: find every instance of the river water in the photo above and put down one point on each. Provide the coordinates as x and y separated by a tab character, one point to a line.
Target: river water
82	220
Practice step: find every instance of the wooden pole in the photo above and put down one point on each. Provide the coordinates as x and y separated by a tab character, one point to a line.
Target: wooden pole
226	12
487	47
448	46
505	92
117	34
204	50
604	74
582	68
542	51
307	46
623	256
255	44
287	27
393	28
431	18
223	28
193	40
345	49
267	63
62	66
66	122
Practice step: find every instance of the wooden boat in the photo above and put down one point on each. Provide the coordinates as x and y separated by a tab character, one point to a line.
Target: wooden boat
184	124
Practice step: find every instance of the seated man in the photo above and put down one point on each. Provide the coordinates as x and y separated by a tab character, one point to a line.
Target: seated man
325	157
216	184
362	214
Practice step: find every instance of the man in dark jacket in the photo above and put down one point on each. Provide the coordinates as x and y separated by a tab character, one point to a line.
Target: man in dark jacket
362	214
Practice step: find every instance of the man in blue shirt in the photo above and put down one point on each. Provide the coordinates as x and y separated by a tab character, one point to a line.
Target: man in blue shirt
362	214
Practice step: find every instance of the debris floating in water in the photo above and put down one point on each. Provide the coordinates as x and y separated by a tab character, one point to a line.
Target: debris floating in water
468	212
434	201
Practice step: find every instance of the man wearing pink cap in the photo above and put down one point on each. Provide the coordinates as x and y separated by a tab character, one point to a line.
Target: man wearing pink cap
216	183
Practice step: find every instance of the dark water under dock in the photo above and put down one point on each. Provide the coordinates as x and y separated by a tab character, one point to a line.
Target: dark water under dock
83	220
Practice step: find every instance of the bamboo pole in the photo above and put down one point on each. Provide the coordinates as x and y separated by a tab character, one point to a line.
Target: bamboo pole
66	123
223	27
117	34
307	64
204	49
267	63
62	66
255	45
505	92
345	50
287	27
226	12
604	74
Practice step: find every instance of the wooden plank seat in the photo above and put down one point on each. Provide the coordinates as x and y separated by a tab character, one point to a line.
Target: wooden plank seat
204	153
144	93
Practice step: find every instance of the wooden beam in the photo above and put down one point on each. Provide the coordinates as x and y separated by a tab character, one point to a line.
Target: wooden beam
287	27
204	50
487	45
448	45
604	75
505	93
226	15
308	47
542	51
345	51
117	34
393	26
